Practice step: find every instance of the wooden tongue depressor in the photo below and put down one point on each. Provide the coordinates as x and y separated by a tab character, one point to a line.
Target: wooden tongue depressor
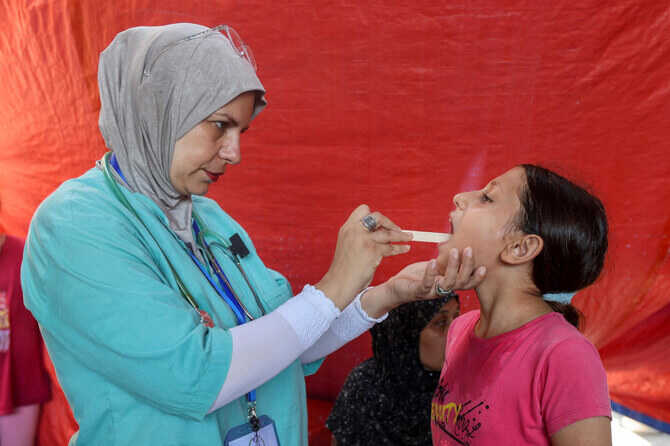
430	237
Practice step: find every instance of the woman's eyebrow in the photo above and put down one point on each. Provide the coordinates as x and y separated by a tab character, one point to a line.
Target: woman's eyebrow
224	115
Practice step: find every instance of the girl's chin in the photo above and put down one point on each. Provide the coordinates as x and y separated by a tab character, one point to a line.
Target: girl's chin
445	248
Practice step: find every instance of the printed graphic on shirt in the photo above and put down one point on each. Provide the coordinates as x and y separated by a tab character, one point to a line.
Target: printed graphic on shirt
460	420
4	322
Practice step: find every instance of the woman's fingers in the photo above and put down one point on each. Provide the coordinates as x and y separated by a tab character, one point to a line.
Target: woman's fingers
427	289
390	236
476	278
460	272
466	268
363	241
392	250
385	234
415	281
451	272
384	222
360	212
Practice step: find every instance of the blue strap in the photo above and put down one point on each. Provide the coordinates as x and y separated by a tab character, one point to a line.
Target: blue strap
115	164
222	289
642	417
229	297
563	298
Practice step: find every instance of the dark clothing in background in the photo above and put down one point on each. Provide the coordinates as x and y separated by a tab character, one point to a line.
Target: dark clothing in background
386	399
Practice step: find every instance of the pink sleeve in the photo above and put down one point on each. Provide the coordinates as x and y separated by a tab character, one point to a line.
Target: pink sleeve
575	385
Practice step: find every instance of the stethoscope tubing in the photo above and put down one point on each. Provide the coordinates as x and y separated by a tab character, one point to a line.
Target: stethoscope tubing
233	301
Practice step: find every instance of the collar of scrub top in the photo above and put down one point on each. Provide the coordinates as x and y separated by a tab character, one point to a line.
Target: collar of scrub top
224	291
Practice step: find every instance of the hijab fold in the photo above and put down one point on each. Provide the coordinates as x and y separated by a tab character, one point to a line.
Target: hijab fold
154	88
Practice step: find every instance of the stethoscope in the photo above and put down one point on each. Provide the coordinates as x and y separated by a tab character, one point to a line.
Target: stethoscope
234	249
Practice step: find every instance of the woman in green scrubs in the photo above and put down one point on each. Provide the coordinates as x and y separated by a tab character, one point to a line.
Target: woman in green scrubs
163	324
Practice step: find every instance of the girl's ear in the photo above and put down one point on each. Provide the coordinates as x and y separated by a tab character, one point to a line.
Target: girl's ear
522	250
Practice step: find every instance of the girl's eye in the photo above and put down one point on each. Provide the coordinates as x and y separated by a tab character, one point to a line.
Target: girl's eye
221	124
486	198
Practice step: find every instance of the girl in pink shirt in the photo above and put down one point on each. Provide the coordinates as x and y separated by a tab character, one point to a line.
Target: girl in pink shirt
516	372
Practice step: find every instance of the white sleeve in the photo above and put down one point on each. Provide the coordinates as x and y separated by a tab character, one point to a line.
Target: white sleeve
277	339
353	322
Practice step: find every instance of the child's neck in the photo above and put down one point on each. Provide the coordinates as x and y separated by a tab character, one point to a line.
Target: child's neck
506	305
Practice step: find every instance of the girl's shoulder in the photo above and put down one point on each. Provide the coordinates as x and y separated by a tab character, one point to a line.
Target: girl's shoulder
559	345
555	330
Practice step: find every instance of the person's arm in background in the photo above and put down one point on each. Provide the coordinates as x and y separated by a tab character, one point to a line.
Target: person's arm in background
279	338
416	281
575	398
110	281
595	431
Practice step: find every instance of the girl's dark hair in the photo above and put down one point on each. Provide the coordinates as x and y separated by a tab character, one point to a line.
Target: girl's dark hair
573	226
453	295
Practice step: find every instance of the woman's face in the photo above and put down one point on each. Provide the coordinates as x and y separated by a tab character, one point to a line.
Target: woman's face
202	154
481	218
434	336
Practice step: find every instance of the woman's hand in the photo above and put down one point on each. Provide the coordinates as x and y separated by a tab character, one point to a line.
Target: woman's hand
417	281
459	271
358	253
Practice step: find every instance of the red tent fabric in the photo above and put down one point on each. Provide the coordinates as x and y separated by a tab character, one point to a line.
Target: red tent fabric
399	106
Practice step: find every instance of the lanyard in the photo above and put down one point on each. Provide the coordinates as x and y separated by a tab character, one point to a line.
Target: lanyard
223	289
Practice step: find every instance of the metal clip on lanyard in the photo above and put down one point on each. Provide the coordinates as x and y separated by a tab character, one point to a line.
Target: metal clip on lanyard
225	291
200	232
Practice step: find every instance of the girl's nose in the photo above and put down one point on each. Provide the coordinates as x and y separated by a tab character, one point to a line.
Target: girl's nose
459	200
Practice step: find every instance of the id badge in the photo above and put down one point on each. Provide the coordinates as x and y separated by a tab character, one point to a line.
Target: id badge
243	435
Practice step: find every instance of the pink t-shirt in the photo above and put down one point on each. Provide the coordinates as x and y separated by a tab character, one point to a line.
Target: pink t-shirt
517	388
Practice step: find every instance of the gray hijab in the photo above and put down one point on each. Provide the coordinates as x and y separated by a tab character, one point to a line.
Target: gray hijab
154	88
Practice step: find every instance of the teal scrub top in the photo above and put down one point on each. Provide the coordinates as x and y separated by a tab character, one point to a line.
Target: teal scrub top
136	364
